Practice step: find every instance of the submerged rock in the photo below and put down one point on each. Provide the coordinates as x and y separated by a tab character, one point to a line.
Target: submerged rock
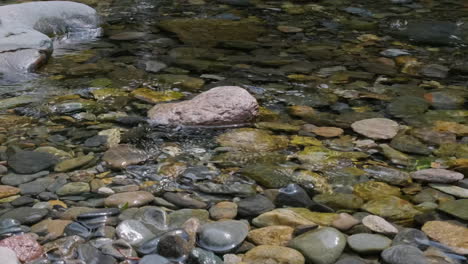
25	29
226	105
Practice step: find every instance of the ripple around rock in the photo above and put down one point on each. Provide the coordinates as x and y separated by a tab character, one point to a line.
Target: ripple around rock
321	246
403	254
222	237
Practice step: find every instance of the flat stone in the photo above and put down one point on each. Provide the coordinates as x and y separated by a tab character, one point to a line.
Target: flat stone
71	164
25	247
368	243
376	128
281	217
271	235
73	188
223	236
373	190
391	207
6	191
403	254
130	199
452	235
223	210
29	162
320	246
328	131
379	225
226	105
17	179
450	189
268	254
458	208
437	175
412	237
25	215
254	206
122	156
50	229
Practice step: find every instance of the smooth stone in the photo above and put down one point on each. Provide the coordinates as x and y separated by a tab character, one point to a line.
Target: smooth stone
437	175
391	207
91	255
271	235
71	164
37	186
8	256
339	201
154	218
223	210
379	225
368	243
29	162
450	234
451	189
121	156
254	206
174	246
345	222
25	215
200	256
293	195
371	190
17	179
282	217
321	246
376	128
222	237
154	259
50	229
388	175
134	232
130	199
6	191
457	208
25	247
73	188
268	254
224	105
411	236
403	254
409	144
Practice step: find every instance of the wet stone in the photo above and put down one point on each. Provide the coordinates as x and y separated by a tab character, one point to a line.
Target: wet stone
6	191
403	254
449	234
368	243
376	128
73	188
25	215
273	254
90	254
223	210
293	195
271	235
411	236
134	232
222	237
130	199
184	200
25	247
29	162
379	225
200	256
450	189
321	246
14	179
254	206
437	175
388	175
124	155
154	259
457	208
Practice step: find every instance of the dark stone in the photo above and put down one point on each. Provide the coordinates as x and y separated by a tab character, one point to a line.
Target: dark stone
174	247
200	256
412	237
26	215
254	206
29	162
403	254
91	255
184	200
293	195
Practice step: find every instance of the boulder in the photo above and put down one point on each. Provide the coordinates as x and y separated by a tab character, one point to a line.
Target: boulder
226	105
25	29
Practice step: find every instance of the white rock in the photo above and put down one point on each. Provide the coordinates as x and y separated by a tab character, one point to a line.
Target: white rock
8	256
379	225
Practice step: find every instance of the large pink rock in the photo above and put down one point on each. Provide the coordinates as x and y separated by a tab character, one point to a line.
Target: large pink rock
225	105
25	246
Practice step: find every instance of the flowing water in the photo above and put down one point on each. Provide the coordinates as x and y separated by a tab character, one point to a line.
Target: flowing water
315	67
